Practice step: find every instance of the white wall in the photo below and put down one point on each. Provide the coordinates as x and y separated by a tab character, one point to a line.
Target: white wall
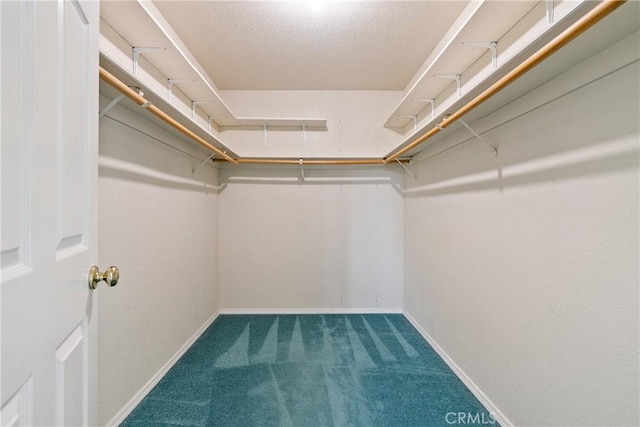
354	123
333	242
158	224
524	269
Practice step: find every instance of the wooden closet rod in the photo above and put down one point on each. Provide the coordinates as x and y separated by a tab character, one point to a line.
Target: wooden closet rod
603	9
138	99
274	161
596	14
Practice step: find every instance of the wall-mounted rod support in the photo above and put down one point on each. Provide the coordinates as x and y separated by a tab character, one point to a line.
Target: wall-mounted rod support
304	132
136	51
138	99
549	5
415	121
415	176
492	46
603	9
431	101
112	104
301	170
171	83
456	77
137	90
477	135
193	171
194	104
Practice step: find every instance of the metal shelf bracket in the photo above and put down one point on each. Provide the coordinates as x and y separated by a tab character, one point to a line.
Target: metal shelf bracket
431	101
194	104
456	77
549	5
136	51
171	83
415	121
492	46
264	128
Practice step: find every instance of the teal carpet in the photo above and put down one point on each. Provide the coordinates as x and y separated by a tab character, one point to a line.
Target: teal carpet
310	370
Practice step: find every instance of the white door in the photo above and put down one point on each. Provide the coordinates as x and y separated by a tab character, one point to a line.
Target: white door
49	182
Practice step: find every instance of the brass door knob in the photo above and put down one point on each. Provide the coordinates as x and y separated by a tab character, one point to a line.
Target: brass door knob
111	276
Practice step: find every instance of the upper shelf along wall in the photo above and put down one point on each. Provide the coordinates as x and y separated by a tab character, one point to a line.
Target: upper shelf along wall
166	67
452	57
517	28
174	77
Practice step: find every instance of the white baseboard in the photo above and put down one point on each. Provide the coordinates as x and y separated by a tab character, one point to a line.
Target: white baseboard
376	310
130	406
499	416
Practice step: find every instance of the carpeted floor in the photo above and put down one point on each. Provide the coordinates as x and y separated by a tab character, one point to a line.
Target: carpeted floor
310	370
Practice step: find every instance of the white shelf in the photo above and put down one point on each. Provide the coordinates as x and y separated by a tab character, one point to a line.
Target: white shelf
480	22
126	25
530	33
485	21
258	123
160	102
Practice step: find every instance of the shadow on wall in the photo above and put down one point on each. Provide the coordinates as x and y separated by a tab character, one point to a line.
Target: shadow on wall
566	139
135	150
625	158
128	172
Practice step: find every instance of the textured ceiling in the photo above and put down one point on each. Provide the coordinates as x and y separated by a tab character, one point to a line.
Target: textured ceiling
311	45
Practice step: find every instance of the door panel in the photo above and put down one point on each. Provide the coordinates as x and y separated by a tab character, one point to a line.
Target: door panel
71	378
16	116
72	147
49	221
17	411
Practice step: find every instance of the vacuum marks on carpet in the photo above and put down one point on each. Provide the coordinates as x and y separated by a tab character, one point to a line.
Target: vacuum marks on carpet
308	370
